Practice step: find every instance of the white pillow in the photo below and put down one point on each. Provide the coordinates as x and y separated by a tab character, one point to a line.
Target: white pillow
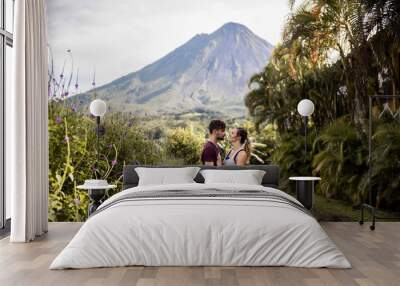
248	177
166	176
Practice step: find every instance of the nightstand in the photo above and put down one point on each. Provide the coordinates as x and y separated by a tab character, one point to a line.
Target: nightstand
305	187
96	195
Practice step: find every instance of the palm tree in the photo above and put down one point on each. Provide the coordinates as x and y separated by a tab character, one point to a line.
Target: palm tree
324	26
383	28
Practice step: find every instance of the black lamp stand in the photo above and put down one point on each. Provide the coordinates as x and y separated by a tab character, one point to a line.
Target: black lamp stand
97	140
305	138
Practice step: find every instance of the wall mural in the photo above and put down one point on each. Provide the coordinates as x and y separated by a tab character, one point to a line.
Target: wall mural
166	68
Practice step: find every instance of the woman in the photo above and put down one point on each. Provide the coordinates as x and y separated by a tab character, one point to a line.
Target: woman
241	150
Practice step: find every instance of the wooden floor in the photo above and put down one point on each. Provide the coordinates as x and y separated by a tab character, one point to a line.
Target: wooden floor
375	257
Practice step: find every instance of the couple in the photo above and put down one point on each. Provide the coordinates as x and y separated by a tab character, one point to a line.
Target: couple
240	146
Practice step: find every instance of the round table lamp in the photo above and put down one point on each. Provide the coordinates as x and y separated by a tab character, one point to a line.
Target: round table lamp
305	108
98	108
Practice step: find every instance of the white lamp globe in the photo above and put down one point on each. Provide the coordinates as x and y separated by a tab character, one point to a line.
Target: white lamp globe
254	85
305	107
98	107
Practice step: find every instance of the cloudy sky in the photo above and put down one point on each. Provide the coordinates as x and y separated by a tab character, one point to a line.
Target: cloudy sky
121	36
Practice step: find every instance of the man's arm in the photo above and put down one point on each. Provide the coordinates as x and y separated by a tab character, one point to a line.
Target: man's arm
219	160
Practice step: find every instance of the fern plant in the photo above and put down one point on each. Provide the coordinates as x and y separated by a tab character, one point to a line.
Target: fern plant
385	176
289	155
340	160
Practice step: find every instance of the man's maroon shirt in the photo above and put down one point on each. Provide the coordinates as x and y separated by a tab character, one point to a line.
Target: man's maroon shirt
210	153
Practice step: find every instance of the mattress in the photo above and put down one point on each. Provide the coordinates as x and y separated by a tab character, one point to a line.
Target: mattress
201	225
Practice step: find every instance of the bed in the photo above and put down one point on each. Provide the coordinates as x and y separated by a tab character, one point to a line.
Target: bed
198	224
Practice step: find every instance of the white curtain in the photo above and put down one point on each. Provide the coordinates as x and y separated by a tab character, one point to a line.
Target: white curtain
26	124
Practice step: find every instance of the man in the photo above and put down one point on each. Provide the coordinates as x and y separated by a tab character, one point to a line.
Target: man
211	154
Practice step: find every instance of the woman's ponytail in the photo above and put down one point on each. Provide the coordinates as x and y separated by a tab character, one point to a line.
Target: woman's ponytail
247	148
245	141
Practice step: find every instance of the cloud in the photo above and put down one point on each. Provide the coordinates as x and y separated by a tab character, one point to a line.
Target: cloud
119	37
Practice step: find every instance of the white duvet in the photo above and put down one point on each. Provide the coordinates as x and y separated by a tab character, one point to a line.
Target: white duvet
200	231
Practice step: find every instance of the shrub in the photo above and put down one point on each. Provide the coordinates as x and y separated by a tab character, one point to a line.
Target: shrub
385	179
72	156
290	156
263	144
339	155
185	145
340	160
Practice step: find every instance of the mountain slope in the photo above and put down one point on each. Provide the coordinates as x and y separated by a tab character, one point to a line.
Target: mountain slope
209	73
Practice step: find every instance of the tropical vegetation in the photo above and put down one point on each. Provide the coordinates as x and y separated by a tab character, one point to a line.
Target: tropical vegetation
72	156
336	53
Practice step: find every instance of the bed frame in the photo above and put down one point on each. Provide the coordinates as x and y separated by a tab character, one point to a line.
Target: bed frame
270	179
